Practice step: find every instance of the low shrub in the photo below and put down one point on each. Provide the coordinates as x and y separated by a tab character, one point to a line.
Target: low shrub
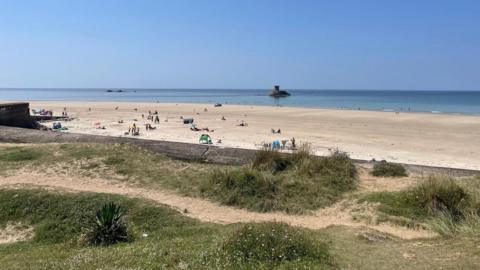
388	169
273	243
109	226
280	182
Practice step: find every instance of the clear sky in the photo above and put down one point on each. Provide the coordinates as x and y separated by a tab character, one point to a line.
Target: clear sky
307	44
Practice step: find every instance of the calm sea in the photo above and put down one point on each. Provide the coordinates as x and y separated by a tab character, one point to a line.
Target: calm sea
464	102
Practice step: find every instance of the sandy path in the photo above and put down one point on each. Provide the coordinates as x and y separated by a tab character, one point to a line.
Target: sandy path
417	138
205	210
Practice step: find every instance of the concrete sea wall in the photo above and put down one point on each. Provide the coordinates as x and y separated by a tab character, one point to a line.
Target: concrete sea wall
16	115
185	151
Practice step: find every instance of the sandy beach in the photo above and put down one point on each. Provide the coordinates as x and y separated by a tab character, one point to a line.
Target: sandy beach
417	138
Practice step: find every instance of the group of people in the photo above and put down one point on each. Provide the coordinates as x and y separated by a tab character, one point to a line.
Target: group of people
152	117
281	144
133	130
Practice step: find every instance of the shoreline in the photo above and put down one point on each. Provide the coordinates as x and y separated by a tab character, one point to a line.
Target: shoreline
440	140
250	104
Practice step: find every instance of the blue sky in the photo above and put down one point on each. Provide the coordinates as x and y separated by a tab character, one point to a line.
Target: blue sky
308	44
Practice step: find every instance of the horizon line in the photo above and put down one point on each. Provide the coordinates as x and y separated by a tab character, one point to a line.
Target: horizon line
181	88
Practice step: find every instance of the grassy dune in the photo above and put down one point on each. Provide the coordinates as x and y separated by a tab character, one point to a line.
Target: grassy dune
177	242
273	182
164	239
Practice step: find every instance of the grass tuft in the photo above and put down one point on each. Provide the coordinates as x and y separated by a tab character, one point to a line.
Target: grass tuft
388	169
435	195
447	207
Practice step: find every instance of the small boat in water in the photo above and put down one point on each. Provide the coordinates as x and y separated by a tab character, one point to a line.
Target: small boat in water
276	92
111	91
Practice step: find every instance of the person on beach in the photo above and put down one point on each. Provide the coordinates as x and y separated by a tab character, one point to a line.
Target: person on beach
243	124
149	127
157	120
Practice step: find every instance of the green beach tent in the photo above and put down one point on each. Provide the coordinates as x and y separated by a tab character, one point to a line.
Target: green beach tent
205	139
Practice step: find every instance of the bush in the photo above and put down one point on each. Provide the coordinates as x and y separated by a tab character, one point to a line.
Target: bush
291	183
109	226
273	243
388	169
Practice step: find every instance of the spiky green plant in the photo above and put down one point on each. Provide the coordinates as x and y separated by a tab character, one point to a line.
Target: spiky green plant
109	226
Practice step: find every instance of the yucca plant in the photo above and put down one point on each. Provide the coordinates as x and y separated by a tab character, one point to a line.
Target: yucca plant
109	226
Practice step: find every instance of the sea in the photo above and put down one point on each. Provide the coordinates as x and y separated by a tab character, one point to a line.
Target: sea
432	101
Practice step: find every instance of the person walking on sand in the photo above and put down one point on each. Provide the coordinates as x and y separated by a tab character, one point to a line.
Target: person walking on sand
157	120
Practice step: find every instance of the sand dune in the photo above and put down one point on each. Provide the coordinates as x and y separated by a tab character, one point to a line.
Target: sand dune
417	138
207	211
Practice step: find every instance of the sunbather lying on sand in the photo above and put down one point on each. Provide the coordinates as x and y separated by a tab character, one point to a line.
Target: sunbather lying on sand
149	127
194	128
243	124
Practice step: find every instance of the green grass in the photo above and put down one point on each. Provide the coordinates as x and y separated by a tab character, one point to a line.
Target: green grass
274	243
449	206
273	182
177	242
435	195
278	182
15	154
387	169
172	240
120	162
63	217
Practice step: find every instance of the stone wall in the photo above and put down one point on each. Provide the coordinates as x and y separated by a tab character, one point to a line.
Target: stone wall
185	151
16	115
